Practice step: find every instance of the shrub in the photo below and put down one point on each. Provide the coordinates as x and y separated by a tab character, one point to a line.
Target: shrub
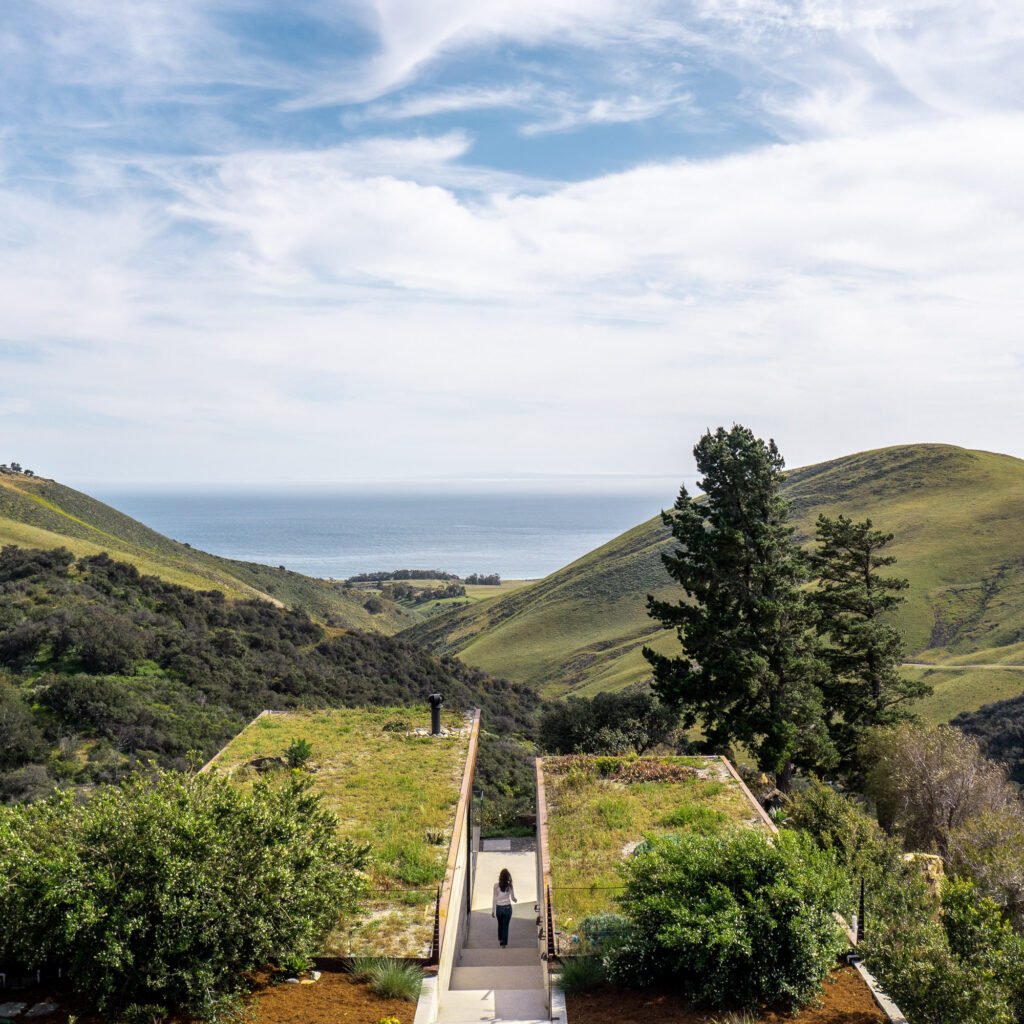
601	932
837	823
927	781
731	918
989	849
396	979
632	720
166	890
580	973
965	964
298	753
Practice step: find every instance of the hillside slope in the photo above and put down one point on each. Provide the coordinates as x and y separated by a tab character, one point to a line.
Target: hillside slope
40	513
957	516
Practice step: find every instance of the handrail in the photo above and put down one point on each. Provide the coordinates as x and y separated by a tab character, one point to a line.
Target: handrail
461	816
544	858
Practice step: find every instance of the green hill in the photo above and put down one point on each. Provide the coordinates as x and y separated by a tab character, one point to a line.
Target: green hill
957	516
40	513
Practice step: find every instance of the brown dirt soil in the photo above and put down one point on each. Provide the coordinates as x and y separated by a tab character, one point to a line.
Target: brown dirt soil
335	999
846	1000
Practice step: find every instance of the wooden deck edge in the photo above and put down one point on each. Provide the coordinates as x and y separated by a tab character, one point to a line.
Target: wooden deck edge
209	764
544	861
458	832
761	812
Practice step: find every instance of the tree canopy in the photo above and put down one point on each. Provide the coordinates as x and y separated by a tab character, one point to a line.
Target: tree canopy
750	672
789	654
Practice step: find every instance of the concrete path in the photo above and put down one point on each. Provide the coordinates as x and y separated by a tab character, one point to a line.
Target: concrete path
490	984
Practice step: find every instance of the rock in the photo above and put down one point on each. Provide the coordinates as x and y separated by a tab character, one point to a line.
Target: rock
11	1009
42	1009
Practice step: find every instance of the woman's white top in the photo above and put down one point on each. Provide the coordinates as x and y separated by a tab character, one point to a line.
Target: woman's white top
503	899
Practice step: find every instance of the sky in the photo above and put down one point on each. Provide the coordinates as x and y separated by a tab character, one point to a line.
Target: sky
331	242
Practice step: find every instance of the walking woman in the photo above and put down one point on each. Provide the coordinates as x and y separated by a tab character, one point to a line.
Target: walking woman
501	904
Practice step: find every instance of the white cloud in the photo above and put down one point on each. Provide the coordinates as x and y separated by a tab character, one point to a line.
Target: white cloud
447	101
352	309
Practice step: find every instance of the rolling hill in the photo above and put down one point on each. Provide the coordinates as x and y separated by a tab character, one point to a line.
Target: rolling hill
957	515
40	513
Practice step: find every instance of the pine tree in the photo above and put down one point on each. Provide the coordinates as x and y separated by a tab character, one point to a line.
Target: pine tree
750	672
864	650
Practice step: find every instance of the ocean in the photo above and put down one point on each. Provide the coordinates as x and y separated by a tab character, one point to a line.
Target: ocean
340	533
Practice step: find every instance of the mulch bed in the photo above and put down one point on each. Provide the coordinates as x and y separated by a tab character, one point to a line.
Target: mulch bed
335	999
846	1000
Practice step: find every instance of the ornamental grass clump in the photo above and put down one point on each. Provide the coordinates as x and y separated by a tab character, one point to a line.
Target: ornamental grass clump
396	979
731	919
579	974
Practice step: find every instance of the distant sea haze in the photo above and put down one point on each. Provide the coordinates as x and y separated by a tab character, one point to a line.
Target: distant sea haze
339	534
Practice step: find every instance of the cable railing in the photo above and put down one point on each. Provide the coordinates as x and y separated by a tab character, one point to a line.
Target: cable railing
570	905
392	921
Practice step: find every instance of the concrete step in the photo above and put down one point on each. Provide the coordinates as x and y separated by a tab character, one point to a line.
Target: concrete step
520	956
483	932
496	978
487	1006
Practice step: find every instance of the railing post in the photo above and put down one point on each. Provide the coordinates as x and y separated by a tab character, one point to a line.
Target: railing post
551	924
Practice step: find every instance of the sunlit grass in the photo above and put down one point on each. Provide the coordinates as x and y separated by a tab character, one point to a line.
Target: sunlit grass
593	823
395	791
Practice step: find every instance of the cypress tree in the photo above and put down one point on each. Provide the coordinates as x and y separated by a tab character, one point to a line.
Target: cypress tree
863	649
751	671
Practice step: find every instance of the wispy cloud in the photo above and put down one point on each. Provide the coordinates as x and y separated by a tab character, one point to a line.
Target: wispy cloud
210	278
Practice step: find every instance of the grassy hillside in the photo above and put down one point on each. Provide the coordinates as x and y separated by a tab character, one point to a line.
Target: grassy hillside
39	513
103	669
957	517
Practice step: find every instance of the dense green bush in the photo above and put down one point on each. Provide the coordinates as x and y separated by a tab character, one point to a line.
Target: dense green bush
963	964
632	720
153	670
839	824
732	918
165	891
507	778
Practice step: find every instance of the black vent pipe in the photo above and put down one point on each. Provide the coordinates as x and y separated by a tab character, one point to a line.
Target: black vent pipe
436	700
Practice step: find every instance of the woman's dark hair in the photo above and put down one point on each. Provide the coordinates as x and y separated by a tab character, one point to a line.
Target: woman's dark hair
504	880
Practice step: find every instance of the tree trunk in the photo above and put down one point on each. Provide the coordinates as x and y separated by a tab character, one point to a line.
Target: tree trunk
784	779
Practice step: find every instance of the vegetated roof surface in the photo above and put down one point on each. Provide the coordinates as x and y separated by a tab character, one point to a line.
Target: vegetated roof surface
600	808
390	786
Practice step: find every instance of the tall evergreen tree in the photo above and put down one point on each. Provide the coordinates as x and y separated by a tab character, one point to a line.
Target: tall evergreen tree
750	671
863	648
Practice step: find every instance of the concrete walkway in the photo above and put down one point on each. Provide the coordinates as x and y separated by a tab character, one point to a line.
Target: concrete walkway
490	984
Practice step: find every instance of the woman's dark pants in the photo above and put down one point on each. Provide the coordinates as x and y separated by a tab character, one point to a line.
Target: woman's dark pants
504	915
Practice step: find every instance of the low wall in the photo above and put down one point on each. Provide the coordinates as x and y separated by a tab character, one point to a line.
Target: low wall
453	910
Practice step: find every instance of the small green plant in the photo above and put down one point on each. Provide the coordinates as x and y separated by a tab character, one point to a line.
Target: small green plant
613	812
694	816
580	973
737	1017
436	836
298	753
295	964
389	1020
144	1013
396	979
